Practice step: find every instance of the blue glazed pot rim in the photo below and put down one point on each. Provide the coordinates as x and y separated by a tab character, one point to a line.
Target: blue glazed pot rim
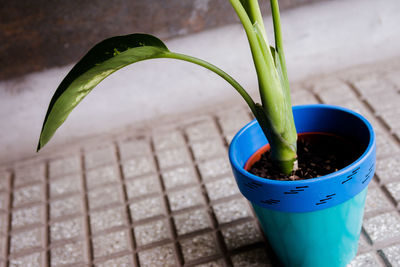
367	151
321	192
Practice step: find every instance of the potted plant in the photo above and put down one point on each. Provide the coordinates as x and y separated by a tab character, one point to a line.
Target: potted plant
312	222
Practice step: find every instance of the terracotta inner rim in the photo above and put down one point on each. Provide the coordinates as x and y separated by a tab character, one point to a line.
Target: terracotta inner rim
257	155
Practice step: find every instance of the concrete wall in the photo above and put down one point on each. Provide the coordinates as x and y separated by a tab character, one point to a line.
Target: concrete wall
40	34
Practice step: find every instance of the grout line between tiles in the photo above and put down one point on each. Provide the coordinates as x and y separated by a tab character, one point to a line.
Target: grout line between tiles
126	205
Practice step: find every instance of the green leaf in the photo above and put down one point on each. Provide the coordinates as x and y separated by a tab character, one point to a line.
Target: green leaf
102	60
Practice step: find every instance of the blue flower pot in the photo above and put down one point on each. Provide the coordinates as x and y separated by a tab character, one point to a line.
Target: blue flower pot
315	222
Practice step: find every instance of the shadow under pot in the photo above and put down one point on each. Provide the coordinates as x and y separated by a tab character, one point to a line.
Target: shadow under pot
313	222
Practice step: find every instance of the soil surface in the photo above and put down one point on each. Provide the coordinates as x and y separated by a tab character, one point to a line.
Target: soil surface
318	154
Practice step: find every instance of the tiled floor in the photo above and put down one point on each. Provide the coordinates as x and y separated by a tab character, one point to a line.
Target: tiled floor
168	197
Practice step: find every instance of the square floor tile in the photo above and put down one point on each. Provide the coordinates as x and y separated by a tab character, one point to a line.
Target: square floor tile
65	166
67	185
27	216
253	258
67	229
101	176
241	235
178	176
364	260
392	254
103	196
27	239
133	148
231	210
173	157
100	156
168	140
214	168
202	130
199	246
185	198
71	253
394	190
388	169
151	232
221	188
111	243
124	261
162	256
233	120
142	186
105	219
192	221
376	201
147	208
217	263
29	174
208	149
383	226
138	166
31	260
28	194
66	206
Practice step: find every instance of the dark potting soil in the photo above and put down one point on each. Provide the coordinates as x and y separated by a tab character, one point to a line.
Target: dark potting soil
318	154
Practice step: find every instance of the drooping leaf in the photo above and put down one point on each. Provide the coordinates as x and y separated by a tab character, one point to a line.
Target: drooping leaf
102	60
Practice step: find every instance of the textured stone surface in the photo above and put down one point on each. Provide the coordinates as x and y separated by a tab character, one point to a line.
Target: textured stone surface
138	166
178	176
67	185
147	208
252	258
101	176
110	243
26	239
158	257
241	235
100	156
66	206
71	253
124	261
97	197
192	221
204	130
168	140
28	194
220	188
208	149
142	186
392	253
29	174
185	198
231	210
67	229
27	216
32	260
64	166
198	247
384	226
214	168
364	260
173	157
133	148
376	201
106	219
151	232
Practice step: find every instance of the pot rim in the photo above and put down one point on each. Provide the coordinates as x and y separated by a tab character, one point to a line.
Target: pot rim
368	150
